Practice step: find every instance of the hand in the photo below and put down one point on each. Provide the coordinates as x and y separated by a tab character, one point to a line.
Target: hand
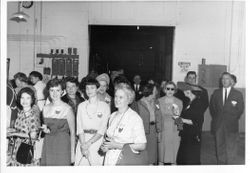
175	117
111	144
104	149
45	128
85	152
18	134
85	146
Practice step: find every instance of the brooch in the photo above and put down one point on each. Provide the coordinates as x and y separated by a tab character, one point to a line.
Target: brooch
57	111
234	103
99	114
120	130
157	106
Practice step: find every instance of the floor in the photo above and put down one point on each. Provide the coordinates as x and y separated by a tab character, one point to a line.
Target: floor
208	150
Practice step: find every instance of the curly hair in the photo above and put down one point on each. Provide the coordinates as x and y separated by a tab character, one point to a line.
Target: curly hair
128	91
21	76
54	83
148	89
88	81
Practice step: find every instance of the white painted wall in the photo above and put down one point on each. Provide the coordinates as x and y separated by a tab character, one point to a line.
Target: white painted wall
211	30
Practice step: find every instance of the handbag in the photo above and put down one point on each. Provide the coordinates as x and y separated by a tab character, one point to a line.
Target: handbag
25	152
128	157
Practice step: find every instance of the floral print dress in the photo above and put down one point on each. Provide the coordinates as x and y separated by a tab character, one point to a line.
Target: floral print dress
26	122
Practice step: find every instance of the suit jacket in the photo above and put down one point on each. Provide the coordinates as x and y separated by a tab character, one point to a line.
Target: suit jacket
145	115
138	93
226	115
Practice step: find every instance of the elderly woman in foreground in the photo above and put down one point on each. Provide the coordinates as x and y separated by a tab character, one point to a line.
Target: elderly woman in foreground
125	132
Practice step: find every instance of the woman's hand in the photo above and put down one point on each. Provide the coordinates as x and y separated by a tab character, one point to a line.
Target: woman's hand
103	148
85	146
45	128
18	134
85	149
85	153
175	117
111	144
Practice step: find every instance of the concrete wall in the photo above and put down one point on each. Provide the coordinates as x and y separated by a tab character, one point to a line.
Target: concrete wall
211	30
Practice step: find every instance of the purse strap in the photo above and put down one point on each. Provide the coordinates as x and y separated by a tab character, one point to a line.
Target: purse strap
30	141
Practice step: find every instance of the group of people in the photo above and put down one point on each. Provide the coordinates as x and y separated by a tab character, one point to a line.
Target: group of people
110	121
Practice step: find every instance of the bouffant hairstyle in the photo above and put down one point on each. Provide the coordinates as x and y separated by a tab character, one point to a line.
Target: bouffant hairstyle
121	79
21	76
90	81
28	91
36	74
128	91
72	80
54	83
148	89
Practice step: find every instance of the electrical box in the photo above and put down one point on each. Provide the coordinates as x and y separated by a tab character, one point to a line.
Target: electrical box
68	67
209	75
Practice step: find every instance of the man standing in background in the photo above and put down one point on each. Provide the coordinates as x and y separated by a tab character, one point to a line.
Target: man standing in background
226	107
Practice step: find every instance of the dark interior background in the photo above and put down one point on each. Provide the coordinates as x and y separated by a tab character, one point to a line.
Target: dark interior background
143	50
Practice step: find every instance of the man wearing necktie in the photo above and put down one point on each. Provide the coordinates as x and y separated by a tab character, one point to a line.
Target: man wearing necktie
137	87
226	107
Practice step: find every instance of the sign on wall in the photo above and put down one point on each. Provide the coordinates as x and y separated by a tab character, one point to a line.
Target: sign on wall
184	66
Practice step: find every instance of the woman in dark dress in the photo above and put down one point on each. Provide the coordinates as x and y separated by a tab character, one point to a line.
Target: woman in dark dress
59	126
190	124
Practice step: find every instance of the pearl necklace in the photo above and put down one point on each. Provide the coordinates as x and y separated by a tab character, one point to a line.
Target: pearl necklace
90	115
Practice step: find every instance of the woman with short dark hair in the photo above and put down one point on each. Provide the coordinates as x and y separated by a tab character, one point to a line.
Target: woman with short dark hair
147	111
26	125
59	128
191	120
92	118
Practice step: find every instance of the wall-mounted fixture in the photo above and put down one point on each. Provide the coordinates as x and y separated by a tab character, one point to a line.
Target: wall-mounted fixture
20	16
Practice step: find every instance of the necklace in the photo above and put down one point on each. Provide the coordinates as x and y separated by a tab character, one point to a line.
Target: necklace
91	114
118	124
27	113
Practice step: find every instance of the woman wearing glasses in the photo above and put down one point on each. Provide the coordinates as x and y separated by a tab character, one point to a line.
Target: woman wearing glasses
169	106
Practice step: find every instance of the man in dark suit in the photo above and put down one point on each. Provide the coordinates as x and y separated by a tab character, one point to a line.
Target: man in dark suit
137	86
226	107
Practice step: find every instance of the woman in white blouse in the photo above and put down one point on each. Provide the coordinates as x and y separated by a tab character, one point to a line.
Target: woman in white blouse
125	127
92	118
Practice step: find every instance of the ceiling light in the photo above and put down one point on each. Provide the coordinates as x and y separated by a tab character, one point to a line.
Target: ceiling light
19	16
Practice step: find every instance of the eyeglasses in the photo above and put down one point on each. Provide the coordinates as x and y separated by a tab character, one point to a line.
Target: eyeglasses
172	89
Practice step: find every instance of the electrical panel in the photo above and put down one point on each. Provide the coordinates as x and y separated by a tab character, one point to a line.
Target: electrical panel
209	75
63	64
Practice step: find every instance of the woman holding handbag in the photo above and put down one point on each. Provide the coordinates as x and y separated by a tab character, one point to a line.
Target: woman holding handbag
92	118
125	137
26	130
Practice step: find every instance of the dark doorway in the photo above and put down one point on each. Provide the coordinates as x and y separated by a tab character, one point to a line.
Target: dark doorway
143	50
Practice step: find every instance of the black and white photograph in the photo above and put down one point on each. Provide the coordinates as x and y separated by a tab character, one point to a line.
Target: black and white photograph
142	84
